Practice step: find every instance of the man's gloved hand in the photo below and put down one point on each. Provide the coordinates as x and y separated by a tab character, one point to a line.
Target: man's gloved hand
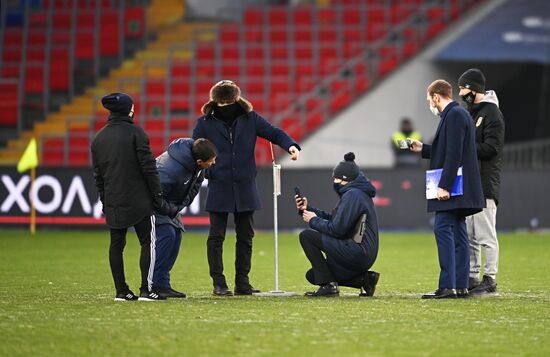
169	209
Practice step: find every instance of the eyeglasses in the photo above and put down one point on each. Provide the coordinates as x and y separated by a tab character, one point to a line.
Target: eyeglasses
225	81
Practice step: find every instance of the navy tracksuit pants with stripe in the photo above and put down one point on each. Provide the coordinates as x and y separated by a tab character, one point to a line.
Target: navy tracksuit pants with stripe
167	249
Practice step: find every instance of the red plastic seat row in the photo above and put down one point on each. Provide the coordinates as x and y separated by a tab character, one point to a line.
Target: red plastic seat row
8	103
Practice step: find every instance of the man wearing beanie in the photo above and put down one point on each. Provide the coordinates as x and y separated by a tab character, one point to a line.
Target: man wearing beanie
488	119
229	122
128	183
348	236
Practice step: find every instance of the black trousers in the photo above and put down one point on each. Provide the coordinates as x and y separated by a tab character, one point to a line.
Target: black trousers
145	230
320	274
244	229
312	244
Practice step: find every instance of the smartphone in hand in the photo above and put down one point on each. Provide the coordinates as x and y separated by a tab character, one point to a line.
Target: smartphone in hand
299	194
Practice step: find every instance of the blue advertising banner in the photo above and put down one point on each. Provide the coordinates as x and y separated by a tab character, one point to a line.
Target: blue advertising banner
517	31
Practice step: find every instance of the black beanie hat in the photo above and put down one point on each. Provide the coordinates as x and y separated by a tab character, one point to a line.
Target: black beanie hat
473	79
346	170
118	103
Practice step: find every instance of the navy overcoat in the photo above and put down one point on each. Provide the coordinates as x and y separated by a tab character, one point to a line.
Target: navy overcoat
232	180
454	146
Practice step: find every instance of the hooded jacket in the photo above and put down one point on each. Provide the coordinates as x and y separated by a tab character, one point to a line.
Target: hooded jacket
232	181
180	178
489	123
125	173
346	258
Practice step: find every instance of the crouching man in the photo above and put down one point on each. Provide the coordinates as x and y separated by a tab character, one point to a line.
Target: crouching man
181	169
348	236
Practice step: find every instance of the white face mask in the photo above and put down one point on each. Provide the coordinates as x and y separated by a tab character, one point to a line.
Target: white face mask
434	111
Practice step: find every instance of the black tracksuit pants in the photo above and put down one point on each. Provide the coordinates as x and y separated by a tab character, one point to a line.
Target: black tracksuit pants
244	222
145	230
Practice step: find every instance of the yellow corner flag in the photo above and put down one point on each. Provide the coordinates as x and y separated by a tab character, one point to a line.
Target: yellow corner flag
29	159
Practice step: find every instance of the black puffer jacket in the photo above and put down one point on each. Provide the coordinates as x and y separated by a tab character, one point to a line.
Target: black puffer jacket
125	172
489	123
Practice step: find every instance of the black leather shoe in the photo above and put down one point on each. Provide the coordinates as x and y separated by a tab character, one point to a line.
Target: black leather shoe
170	293
246	290
222	291
462	293
369	285
441	293
328	290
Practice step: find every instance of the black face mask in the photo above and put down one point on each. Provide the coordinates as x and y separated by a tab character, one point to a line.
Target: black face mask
469	98
337	187
407	132
229	113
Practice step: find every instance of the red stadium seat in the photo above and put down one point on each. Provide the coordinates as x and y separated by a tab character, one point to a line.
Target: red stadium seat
230	33
278	16
254	53
8	103
59	69
254	16
109	30
301	16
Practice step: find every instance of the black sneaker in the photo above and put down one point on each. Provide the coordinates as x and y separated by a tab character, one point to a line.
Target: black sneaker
151	296
462	293
473	283
488	286
127	296
369	283
327	290
170	293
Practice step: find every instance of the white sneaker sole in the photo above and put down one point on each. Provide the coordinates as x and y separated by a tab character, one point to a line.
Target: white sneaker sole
121	299
147	299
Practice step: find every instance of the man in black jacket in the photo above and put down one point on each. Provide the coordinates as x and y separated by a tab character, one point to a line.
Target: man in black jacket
181	169
489	122
129	188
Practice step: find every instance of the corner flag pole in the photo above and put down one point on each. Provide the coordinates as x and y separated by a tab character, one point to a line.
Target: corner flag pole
29	160
33	208
276	194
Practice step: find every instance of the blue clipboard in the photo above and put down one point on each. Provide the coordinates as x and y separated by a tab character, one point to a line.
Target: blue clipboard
432	183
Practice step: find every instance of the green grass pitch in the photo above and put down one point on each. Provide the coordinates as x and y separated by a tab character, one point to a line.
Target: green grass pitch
57	299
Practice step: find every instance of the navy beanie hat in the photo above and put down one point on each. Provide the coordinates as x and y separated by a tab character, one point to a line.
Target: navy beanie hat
118	103
346	170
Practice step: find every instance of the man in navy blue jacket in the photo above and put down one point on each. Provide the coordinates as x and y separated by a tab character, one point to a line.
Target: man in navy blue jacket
181	169
453	147
348	236
231	124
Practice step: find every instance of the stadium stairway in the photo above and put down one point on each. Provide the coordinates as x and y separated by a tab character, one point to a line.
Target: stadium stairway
164	18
